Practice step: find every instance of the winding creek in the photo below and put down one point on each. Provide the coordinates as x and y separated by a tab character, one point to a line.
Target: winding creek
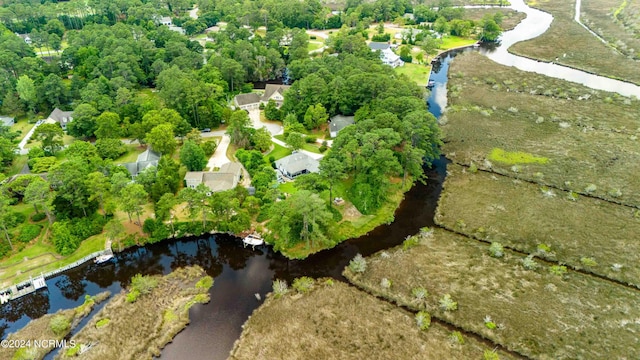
239	272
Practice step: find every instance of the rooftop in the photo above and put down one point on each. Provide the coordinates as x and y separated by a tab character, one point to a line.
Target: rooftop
378	46
296	163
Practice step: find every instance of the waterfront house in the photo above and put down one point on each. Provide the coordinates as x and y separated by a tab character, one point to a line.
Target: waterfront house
224	179
250	101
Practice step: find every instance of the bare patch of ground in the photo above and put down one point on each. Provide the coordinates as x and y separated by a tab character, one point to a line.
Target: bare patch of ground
532	312
337	321
140	329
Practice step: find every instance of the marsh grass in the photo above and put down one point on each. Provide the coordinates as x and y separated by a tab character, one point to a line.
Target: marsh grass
519	217
596	149
582	49
340	322
535	313
49	327
620	27
139	330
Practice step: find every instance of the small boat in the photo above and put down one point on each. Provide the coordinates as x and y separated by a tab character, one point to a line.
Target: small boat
431	84
253	240
103	258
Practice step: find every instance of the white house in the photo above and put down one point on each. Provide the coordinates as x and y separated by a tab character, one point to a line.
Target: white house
297	164
387	55
25	37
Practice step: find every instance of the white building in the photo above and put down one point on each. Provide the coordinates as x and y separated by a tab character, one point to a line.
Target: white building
387	55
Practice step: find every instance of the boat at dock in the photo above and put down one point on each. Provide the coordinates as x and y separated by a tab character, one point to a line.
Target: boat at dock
103	259
253	240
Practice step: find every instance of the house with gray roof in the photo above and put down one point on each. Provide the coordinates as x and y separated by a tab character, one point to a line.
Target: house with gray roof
250	101
146	159
338	123
25	37
7	120
224	179
297	164
61	117
387	55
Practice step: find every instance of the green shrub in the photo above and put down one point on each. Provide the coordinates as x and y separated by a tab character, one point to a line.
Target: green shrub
29	232
419	294
489	324
491	355
43	164
59	324
132	296
456	337
473	168
447	303
385	283
205	283
496	250
358	264
280	288
102	322
410	242
423	320
558	270
16	219
588	261
209	147
38	217
310	139
143	284
73	351
528	263
303	284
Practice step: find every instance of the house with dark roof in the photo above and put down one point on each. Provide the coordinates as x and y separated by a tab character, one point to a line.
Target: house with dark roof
297	164
7	120
61	117
224	179
250	101
387	55
338	123
146	159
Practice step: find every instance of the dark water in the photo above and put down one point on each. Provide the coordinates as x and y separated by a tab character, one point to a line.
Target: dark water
239	272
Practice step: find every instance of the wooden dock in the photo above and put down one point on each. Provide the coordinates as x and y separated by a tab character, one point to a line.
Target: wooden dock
33	284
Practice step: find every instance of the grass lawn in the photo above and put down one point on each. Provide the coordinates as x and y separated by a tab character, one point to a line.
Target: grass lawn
315	45
50	261
522	215
231	152
22	126
588	137
288	187
450	42
18	163
314	147
333	317
278	152
133	150
568	43
417	73
535	313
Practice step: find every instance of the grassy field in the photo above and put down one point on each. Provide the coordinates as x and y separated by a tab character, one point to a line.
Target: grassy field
40	329
140	329
416	73
42	257
314	147
532	312
66	140
336	321
568	43
22	126
522	216
450	42
620	27
510	18
278	152
315	45
590	145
